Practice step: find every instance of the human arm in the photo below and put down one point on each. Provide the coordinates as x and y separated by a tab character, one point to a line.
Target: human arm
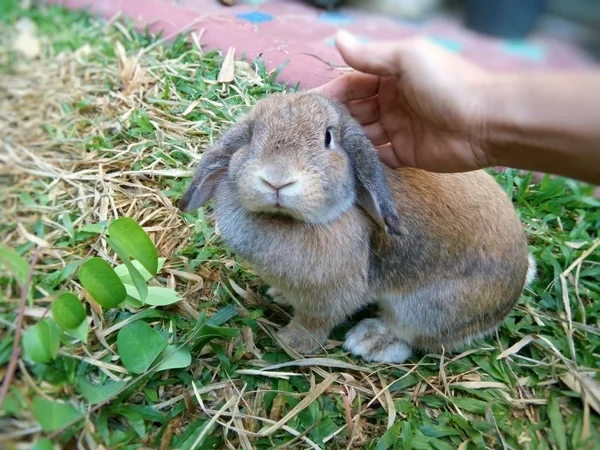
547	122
423	106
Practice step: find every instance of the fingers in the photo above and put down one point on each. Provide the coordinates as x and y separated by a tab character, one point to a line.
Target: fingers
388	156
376	59
365	111
350	87
376	133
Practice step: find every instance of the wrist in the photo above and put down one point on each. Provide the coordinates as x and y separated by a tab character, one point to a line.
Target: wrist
502	118
517	131
543	122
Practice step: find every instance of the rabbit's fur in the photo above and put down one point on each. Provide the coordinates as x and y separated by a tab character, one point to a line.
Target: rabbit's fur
444	255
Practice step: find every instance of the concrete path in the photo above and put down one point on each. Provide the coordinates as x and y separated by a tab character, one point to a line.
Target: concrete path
300	35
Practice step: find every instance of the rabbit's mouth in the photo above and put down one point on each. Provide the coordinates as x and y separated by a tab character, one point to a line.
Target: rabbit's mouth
274	192
280	210
296	194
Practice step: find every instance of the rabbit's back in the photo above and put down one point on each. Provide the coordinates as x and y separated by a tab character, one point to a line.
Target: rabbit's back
456	225
463	261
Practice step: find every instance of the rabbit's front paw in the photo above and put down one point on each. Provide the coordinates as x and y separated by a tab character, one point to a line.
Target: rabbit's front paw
373	340
299	338
278	296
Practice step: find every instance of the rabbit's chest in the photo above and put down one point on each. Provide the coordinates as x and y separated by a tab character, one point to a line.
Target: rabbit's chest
286	252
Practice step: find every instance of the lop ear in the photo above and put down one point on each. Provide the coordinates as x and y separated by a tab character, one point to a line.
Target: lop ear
213	165
374	195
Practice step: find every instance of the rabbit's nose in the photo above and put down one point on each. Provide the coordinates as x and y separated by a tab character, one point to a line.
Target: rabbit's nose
275	185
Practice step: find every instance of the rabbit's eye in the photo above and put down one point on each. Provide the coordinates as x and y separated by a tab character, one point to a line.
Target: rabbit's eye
328	138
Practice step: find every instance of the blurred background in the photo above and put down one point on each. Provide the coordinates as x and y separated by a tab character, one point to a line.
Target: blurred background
296	37
577	21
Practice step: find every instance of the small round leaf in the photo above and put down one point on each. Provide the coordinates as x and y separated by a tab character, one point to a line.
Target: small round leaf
15	263
102	283
43	444
53	415
98	393
81	332
41	341
132	238
174	357
68	311
139	345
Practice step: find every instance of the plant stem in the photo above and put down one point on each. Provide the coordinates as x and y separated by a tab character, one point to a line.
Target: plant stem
12	365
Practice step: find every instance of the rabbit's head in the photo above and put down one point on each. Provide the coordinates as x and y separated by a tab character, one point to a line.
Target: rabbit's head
297	155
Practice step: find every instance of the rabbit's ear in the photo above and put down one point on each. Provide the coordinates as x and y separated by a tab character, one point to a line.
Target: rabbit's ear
374	194
213	165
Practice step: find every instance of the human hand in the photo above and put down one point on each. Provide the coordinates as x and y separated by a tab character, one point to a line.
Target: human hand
420	105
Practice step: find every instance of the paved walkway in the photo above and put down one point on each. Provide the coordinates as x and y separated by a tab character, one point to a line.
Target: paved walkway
296	33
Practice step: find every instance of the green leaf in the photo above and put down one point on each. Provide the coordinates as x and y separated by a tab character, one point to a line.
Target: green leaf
13	402
132	302
470	404
157	295
139	345
223	315
95	228
148	413
137	423
123	273
98	393
439	431
43	444
81	332
6	349
438	444
68	311
151	395
389	437
136	276
53	415
15	263
134	240
41	341
68	223
407	435
102	283
102	425
207	333
556	422
179	359
199	426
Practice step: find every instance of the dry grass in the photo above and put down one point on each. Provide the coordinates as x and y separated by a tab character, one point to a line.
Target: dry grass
106	125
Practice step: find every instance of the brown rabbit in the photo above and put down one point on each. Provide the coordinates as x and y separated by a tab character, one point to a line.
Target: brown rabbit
300	194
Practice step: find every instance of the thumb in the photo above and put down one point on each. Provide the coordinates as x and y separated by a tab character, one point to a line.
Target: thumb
377	59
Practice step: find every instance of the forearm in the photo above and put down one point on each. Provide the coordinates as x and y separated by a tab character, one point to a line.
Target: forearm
545	122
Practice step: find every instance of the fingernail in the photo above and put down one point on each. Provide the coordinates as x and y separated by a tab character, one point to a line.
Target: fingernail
343	35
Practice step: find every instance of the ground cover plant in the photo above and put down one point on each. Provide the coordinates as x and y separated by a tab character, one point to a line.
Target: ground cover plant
99	125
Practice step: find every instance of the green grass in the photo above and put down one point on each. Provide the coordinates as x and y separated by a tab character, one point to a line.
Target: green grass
77	150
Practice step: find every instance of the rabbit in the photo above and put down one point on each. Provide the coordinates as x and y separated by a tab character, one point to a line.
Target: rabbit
301	195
